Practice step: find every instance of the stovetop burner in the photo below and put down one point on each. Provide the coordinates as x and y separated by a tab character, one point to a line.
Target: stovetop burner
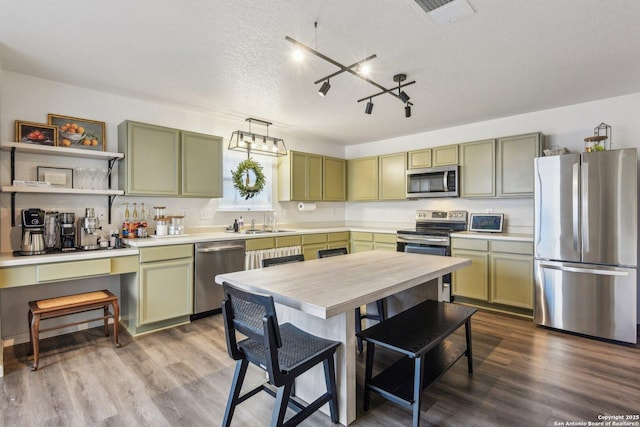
438	223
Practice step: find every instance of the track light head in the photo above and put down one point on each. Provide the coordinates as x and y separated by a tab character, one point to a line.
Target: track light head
403	96
407	110
369	108
324	88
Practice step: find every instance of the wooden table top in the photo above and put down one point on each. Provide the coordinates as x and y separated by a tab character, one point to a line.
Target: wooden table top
329	286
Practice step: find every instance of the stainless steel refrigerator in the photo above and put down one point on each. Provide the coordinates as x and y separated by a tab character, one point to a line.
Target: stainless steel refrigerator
585	243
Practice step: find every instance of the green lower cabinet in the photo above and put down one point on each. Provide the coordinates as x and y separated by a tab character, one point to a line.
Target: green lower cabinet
512	280
500	276
166	290
364	241
311	251
472	281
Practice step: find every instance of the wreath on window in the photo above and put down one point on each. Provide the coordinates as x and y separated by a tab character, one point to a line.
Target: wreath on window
243	175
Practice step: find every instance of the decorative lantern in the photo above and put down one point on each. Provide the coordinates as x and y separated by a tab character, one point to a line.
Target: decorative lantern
598	142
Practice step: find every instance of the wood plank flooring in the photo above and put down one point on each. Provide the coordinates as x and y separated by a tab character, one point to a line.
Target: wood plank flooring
524	375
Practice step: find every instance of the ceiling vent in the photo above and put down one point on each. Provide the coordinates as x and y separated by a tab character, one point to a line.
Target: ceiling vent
445	12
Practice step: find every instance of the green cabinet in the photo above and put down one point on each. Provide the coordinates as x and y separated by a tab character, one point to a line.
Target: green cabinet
363	179
418	159
378	178
514	164
311	177
478	169
160	293
161	161
499	168
365	241
501	273
445	155
201	165
393	177
334	179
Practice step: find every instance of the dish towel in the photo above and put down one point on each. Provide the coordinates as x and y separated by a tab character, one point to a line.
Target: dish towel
253	259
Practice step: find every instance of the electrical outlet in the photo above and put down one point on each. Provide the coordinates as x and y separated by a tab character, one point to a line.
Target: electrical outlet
489	210
205	214
101	215
185	212
381	212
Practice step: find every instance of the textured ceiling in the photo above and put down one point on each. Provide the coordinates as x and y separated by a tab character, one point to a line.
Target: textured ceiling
230	58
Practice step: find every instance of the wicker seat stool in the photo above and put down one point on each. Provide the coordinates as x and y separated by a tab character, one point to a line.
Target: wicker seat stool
66	305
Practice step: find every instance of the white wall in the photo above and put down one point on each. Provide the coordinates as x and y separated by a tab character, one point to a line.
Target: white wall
563	127
31	99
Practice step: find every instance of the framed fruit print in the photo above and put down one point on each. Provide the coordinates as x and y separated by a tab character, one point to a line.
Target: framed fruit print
74	132
36	133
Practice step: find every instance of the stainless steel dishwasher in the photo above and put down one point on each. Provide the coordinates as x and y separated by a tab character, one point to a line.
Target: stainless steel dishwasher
214	258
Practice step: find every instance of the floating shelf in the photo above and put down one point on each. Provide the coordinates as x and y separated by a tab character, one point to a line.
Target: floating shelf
26	148
60	151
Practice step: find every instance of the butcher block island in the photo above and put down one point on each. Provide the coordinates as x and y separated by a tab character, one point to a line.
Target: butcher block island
320	297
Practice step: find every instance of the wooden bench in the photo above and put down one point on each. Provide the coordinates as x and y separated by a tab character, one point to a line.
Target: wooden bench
66	305
420	334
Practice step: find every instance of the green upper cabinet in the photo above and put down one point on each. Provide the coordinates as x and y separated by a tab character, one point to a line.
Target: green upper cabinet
418	159
334	179
363	179
201	165
514	164
300	177
161	161
499	168
151	164
445	155
393	177
478	169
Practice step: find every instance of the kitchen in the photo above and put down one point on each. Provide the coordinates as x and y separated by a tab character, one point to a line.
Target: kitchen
564	125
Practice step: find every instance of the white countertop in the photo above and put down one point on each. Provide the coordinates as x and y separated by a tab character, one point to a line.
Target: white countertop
7	259
516	237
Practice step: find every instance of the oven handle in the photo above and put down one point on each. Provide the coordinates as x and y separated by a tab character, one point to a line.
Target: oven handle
411	239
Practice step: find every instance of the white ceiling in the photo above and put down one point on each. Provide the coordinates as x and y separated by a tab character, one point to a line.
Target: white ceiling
230	58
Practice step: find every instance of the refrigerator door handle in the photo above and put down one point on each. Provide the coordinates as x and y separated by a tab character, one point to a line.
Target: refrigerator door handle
561	267
575	211
585	206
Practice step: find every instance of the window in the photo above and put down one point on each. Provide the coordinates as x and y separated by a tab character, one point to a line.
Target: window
231	199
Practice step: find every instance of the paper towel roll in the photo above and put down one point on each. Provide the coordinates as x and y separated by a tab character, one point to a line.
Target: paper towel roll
306	207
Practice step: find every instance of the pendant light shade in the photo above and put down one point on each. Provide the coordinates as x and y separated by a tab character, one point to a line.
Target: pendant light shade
250	142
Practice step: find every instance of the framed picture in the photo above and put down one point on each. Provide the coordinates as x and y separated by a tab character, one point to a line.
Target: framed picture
36	133
79	133
57	177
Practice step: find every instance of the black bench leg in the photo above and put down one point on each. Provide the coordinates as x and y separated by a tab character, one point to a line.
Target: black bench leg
467	330
368	371
418	375
234	394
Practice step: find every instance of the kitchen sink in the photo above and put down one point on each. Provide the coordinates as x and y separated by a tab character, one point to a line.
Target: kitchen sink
267	231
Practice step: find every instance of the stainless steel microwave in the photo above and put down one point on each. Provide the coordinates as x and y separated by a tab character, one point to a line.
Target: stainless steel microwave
441	181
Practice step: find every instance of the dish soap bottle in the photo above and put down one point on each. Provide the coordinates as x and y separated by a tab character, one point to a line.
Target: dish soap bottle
235	225
240	223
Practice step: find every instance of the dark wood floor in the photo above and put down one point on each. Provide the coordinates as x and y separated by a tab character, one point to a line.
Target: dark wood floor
524	376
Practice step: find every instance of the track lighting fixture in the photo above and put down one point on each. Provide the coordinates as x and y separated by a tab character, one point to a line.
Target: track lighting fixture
250	142
358	69
369	108
324	88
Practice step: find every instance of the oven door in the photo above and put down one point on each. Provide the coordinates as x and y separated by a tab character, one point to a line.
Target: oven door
426	249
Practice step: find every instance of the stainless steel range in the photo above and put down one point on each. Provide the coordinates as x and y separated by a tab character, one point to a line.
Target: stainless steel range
432	237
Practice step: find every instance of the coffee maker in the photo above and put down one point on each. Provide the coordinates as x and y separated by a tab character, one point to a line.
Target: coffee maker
87	227
67	231
33	232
